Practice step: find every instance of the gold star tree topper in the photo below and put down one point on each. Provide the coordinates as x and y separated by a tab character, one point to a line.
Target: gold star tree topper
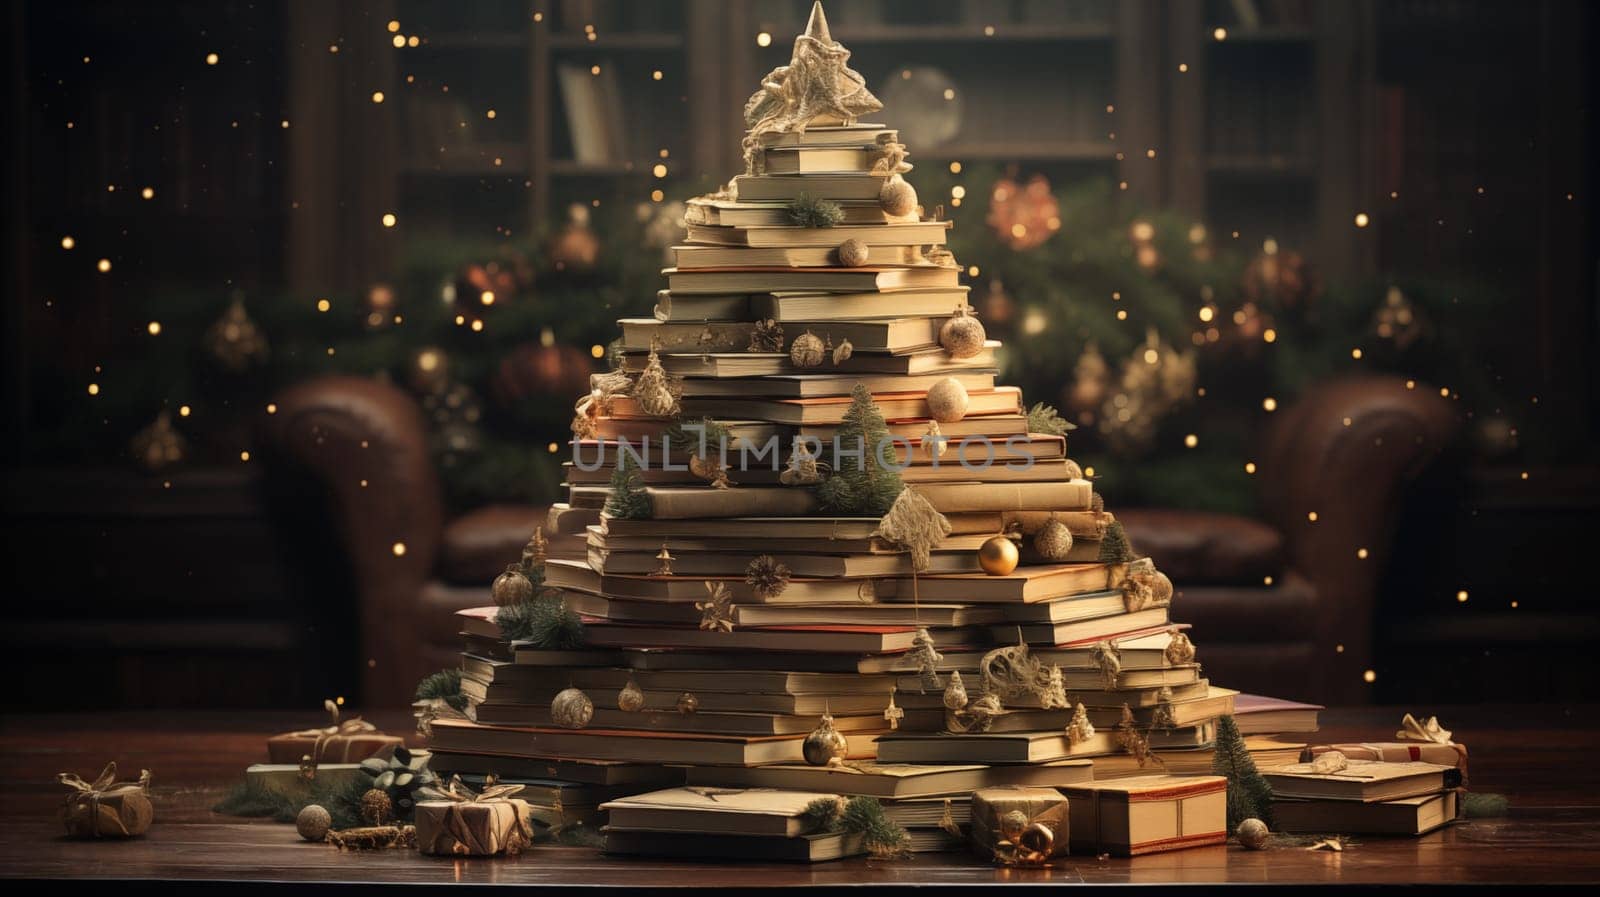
817	87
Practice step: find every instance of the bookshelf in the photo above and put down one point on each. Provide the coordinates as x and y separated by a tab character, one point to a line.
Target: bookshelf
1271	123
1264	129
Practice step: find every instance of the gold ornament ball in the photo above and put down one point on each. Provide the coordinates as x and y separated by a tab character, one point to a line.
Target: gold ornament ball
807	350
998	556
897	197
853	253
313	822
825	745
630	699
955	692
1253	834
511	587
571	709
963	335
1053	542
947	401
688	703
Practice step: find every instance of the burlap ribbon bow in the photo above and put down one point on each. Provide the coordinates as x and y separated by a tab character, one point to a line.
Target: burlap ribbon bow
83	807
1411	729
474	834
325	735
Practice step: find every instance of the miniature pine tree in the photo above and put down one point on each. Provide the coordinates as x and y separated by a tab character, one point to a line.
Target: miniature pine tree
809	211
861	486
1249	795
1114	549
628	500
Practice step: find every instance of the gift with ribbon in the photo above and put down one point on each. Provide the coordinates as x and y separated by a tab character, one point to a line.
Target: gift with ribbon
456	821
1418	741
341	741
1019	826
1148	814
107	808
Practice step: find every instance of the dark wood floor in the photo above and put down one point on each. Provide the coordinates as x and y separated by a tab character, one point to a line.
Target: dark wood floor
1538	756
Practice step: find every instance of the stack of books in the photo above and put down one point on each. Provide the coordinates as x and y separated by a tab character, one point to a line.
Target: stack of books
736	610
1364	796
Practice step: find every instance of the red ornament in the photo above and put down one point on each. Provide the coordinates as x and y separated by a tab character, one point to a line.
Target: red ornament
1023	217
533	370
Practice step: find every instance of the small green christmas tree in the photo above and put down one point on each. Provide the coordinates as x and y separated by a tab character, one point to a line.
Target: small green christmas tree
628	500
1114	548
861	486
1249	795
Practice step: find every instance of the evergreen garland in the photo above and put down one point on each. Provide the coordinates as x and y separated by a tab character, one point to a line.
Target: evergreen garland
1249	795
861	487
628	500
861	816
545	622
809	211
1044	418
444	685
1114	548
252	800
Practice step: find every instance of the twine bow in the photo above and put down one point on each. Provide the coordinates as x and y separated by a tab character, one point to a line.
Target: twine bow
103	787
457	791
1413	730
325	735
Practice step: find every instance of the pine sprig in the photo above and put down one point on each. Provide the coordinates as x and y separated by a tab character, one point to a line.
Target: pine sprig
444	685
628	500
689	441
545	622
809	211
823	814
1249	795
252	800
883	837
861	485
1044	418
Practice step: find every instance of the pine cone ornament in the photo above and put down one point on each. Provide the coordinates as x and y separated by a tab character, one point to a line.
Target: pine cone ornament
767	576
766	337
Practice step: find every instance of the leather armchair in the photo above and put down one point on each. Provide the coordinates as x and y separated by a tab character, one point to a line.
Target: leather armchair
1282	604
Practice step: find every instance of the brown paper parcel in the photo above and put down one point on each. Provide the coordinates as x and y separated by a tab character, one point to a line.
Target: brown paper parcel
1016	825
457	822
106	808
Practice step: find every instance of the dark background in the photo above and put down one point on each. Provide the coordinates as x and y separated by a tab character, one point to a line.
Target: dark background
1462	131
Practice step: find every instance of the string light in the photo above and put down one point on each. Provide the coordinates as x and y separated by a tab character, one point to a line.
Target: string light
1311	516
67	242
1191	440
1361	553
1461	596
656	75
399	549
323	305
148	193
103	265
1369	676
244	456
184	410
389	219
153	328
1362	220
94	389
1220	33
763	39
377	96
1250	468
1269	404
597	351
211	59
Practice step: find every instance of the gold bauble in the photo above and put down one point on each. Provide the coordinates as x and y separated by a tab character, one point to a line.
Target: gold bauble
1253	834
962	336
571	709
825	746
897	197
312	822
688	703
955	693
807	350
948	401
853	253
998	556
1053	542
630	699
511	587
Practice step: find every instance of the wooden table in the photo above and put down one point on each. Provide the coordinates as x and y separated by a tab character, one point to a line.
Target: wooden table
1538	756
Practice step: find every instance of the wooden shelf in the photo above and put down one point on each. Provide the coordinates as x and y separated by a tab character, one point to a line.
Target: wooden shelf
1266	34
620	40
574	168
475	40
471	161
1005	34
1046	151
1261	166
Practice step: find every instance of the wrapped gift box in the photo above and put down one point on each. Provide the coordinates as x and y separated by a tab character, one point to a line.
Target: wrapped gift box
107	808
1148	814
1397	752
1002	837
480	828
285	778
351	745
